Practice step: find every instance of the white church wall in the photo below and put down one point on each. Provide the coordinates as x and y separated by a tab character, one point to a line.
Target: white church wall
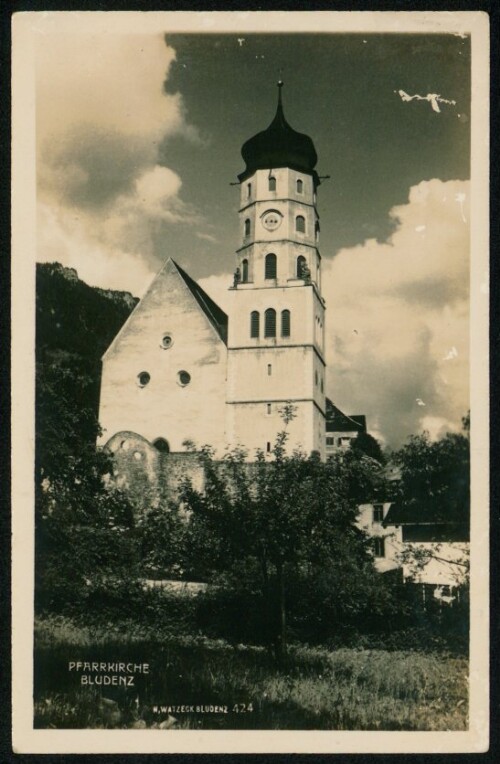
166	407
250	426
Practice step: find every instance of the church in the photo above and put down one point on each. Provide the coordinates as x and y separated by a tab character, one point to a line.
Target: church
182	371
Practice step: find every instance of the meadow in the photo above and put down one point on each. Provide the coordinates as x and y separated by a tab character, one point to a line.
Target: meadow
240	686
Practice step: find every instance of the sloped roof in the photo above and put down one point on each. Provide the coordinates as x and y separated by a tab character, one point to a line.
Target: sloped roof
215	315
432	513
337	421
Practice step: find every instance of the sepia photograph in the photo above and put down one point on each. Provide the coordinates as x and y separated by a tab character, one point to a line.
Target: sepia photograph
250	279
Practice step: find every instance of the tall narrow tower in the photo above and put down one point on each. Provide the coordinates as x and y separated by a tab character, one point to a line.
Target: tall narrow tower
276	319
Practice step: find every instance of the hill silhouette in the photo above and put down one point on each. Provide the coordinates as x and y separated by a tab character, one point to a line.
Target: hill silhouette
75	323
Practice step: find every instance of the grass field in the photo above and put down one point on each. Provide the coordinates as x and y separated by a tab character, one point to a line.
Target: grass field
345	689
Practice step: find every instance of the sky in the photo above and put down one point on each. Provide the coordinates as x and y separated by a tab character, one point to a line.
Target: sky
138	142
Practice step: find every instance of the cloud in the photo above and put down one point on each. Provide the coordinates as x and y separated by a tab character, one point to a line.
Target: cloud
102	113
207	237
66	240
394	311
398	316
113	81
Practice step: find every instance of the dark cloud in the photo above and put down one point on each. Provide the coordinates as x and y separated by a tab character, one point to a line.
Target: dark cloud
92	166
386	389
432	292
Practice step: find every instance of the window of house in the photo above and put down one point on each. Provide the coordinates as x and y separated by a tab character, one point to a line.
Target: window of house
379	546
268	447
378	513
249	190
247	227
270	266
270	323
244	270
183	378
161	445
300	224
268	408
272	183
269	369
254	323
330	441
301	265
344	441
285	323
143	378
300	186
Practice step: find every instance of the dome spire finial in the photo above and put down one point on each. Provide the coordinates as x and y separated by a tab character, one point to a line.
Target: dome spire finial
280	84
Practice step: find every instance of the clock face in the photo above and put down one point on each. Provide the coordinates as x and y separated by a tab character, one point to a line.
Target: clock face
271	220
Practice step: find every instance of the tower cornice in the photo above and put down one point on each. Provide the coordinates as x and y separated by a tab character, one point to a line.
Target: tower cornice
280	199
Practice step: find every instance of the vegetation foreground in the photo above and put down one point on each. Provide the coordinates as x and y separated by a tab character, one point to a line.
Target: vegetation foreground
240	687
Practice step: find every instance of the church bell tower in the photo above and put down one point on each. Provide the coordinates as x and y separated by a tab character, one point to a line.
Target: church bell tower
277	313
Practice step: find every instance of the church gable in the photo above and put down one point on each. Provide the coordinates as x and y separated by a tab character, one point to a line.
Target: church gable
164	373
172	292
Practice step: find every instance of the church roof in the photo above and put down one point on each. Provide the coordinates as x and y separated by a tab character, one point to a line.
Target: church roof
279	146
215	315
337	421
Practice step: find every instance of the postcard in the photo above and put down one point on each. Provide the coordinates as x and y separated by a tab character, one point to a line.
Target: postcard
250	382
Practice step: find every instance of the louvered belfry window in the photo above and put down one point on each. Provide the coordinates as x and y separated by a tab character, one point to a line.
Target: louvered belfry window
300	224
270	266
254	323
285	323
272	183
270	323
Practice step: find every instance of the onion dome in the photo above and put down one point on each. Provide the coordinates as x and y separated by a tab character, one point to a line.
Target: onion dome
279	146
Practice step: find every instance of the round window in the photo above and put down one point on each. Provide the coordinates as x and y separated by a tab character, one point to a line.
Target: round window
184	378
166	341
143	378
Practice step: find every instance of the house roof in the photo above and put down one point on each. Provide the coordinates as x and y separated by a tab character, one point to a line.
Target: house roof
337	421
215	315
432	513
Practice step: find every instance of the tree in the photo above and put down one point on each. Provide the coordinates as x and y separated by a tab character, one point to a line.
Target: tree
368	445
435	487
272	522
87	551
435	476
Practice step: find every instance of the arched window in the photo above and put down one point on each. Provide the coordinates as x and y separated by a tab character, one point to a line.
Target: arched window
285	323
249	190
161	445
300	186
316	230
254	323
270	323
270	266
244	270
272	183
300	224
301	264
247	227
